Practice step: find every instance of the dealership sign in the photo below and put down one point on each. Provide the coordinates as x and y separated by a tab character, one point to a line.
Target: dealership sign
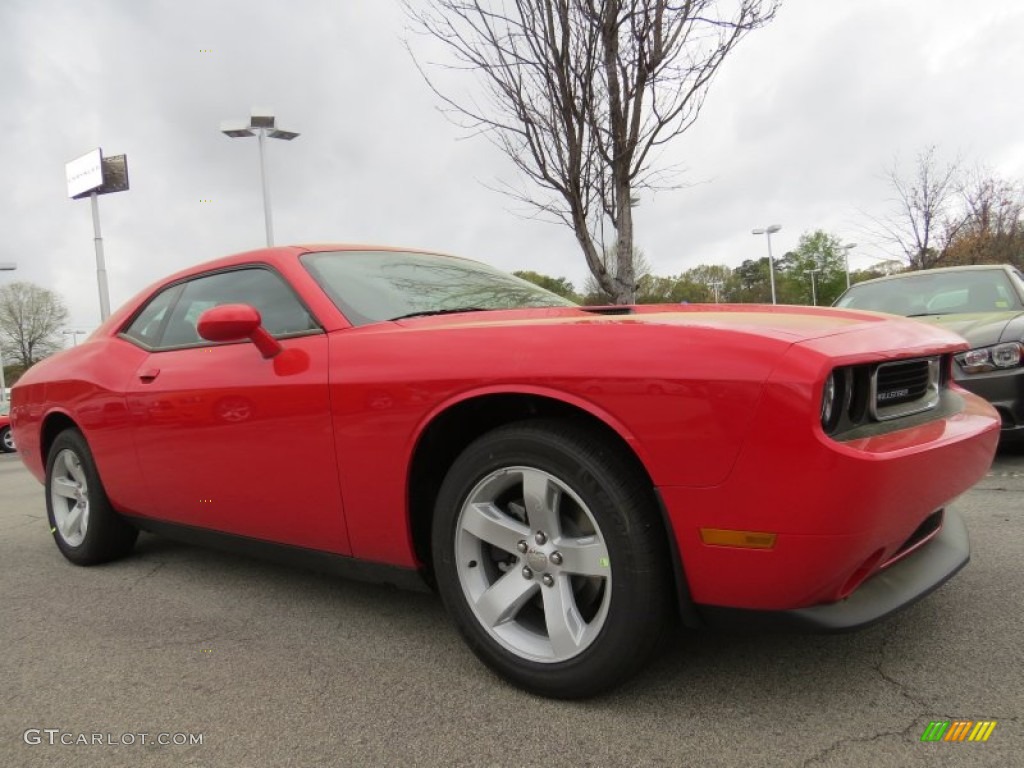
93	172
85	173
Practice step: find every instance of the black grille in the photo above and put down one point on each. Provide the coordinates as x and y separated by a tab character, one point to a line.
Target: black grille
868	394
901	382
931	524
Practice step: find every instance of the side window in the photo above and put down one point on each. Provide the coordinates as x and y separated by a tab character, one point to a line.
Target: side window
145	329
281	311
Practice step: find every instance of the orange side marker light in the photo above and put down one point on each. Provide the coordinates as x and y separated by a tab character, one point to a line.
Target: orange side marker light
721	537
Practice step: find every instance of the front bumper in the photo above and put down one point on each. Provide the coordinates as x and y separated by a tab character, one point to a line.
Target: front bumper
841	512
901	584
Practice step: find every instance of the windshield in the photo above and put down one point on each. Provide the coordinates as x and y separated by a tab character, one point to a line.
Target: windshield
940	293
371	286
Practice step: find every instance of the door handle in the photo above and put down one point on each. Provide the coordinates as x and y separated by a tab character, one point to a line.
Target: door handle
148	375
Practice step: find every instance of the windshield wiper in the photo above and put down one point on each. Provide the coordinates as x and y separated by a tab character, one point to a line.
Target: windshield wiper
429	312
926	314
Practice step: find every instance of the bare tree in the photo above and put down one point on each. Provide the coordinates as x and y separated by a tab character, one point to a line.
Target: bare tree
581	94
31	318
993	228
593	290
920	224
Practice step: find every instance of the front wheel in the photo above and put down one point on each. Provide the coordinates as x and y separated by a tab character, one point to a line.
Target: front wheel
84	524
550	556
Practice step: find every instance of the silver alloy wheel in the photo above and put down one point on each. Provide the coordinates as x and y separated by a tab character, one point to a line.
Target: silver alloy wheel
8	440
533	564
69	495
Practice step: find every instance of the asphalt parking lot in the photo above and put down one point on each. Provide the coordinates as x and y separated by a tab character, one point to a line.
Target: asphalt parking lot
269	666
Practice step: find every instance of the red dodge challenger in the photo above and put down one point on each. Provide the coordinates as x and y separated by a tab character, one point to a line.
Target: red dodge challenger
570	479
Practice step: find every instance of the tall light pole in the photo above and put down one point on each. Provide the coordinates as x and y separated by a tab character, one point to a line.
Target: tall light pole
716	284
814	288
5	266
74	334
101	263
846	260
768	232
261	124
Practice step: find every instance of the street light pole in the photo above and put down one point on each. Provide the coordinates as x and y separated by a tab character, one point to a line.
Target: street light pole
74	335
101	264
261	125
768	232
814	289
846	261
266	190
6	266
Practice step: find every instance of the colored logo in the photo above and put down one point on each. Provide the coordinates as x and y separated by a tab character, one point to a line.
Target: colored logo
958	730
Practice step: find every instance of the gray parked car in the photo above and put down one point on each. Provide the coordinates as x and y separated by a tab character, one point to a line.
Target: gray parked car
985	305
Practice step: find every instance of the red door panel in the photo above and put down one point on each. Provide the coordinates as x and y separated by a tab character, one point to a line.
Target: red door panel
234	442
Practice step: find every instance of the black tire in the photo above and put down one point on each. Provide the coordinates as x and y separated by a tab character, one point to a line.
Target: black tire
6	441
106	535
600	484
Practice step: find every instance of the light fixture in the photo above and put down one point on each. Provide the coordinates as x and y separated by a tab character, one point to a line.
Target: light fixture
261	123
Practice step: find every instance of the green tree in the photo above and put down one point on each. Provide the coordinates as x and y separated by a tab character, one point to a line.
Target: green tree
709	281
560	285
698	285
819	254
869	273
653	289
750	282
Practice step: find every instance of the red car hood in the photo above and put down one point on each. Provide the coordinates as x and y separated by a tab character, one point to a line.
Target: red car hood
790	324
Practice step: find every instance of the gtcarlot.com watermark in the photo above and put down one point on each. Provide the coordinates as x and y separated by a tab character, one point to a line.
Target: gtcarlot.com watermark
60	737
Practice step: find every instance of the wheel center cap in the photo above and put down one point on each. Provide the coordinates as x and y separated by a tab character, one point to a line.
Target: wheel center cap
538	561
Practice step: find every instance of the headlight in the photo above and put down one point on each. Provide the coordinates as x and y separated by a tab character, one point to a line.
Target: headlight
829	405
1006	355
984	359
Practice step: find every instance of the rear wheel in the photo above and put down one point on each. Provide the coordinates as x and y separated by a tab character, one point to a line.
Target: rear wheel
6	440
84	524
549	555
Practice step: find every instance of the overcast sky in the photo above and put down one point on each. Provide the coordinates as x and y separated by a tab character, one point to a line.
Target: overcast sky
798	130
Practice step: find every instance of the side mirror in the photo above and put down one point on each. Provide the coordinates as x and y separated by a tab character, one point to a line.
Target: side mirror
234	322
